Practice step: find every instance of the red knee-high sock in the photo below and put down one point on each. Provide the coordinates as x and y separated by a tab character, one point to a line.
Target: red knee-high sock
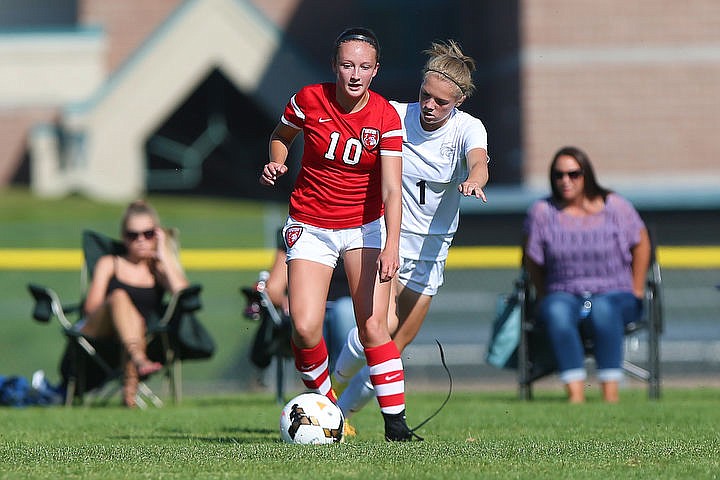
312	363
387	376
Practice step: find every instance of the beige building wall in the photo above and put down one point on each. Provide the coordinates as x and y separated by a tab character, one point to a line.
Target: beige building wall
38	74
107	160
51	78
41	73
635	84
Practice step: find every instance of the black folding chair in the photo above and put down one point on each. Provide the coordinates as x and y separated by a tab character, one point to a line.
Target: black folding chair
272	339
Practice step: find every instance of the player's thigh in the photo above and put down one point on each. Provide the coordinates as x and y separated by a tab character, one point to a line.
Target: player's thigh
308	284
370	297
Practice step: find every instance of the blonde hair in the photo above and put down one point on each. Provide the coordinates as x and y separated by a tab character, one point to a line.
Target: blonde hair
448	61
138	207
172	235
172	243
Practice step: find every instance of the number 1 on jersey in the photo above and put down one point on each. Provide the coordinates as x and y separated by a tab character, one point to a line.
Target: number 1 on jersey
421	196
334	137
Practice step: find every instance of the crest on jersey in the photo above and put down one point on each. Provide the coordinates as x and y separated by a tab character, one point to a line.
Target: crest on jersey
370	137
292	234
447	150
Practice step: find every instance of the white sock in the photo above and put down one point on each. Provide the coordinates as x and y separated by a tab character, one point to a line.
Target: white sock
351	358
357	394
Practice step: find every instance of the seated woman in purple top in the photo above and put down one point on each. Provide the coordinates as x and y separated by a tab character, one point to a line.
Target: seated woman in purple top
585	243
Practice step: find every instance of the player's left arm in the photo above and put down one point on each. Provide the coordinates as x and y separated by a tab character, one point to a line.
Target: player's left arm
477	161
389	259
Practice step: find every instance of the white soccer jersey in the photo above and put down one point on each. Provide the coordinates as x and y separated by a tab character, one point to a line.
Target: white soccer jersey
434	164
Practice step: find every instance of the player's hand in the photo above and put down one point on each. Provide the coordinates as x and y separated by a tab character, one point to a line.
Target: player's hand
388	265
271	172
160	253
472	189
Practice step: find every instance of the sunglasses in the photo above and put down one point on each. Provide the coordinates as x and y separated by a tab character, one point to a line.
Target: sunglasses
132	236
572	174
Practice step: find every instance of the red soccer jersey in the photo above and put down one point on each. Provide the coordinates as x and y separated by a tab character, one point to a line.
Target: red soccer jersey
339	184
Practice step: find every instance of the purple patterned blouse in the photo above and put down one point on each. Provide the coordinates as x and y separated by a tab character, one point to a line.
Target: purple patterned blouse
584	254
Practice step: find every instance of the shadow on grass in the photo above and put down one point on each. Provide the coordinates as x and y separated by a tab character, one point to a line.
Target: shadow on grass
234	436
239	400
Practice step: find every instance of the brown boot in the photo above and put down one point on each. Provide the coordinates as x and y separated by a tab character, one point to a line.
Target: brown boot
130	384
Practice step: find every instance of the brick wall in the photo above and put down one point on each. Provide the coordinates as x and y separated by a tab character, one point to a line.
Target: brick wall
127	22
635	84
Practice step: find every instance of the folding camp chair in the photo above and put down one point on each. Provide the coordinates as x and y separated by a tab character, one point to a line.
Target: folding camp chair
519	343
90	364
534	359
272	339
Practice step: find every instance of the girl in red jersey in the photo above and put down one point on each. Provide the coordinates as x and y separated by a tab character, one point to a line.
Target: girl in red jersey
346	202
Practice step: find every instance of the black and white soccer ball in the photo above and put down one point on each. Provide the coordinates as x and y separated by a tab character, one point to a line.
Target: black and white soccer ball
311	418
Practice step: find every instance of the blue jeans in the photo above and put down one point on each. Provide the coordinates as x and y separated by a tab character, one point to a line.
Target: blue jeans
559	314
339	320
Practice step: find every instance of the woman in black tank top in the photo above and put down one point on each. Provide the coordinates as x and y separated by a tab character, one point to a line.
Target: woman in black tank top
126	290
147	300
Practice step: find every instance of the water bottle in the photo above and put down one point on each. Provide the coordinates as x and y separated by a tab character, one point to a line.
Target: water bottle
586	306
253	311
262	280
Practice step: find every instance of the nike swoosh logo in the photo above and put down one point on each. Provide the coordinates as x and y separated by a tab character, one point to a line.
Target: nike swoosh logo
323	120
390	378
309	368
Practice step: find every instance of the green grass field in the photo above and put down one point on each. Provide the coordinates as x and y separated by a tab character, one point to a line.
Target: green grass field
480	434
477	435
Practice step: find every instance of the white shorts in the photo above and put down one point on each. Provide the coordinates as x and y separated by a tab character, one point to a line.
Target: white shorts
324	245
422	276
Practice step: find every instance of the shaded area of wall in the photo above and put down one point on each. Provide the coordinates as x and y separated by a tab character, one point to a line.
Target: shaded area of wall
487	30
214	144
668	227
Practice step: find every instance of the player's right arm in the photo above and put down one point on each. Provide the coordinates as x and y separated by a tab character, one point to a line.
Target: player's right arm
280	141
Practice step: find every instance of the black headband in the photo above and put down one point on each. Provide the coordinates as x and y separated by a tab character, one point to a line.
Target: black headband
362	34
462	90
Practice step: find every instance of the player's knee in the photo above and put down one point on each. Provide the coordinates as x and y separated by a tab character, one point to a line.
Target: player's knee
306	334
374	332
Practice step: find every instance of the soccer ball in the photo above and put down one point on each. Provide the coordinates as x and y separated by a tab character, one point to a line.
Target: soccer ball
311	418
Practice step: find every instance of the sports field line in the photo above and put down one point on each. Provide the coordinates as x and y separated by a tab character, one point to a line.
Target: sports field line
696	257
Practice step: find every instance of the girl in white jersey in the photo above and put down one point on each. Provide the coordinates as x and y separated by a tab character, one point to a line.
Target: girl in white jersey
444	158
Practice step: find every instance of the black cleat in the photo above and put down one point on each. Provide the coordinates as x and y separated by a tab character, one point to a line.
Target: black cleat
396	429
